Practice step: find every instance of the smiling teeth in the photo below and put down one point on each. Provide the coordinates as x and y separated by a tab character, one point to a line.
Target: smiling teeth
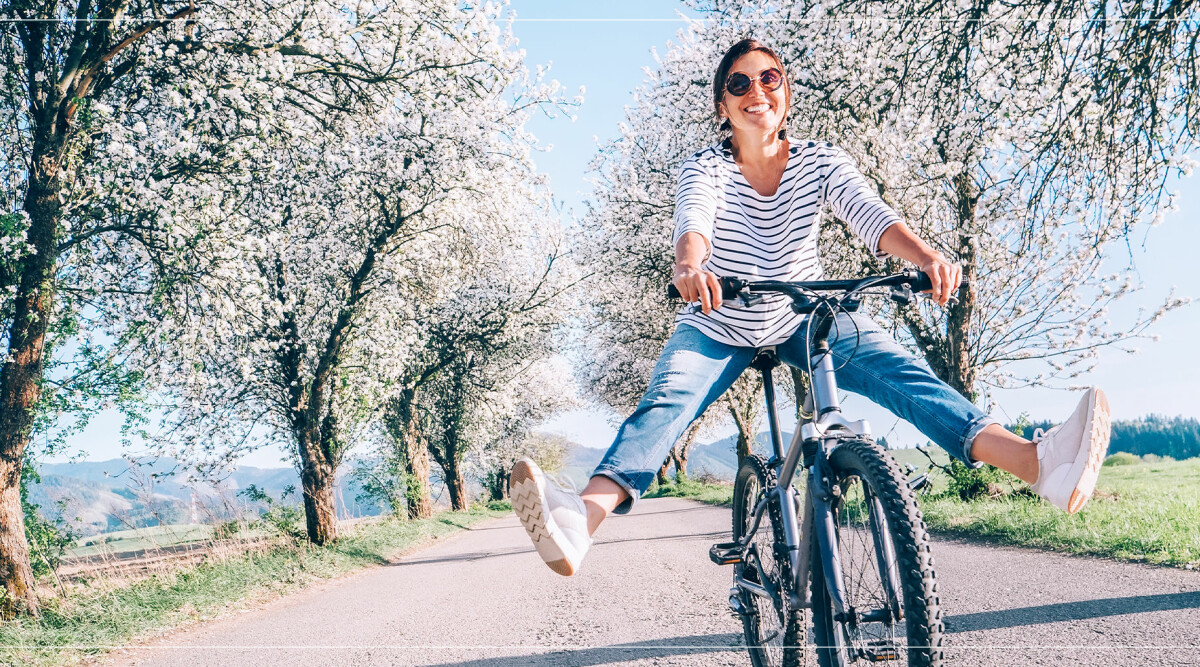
757	107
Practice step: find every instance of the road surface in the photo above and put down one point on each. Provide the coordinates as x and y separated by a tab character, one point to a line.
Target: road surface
648	595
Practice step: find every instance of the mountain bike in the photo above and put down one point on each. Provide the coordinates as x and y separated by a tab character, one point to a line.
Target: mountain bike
854	531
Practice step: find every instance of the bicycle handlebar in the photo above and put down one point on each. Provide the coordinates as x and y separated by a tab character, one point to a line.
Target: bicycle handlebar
732	288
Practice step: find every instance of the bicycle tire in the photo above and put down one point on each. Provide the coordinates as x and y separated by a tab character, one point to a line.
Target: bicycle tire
860	467
775	633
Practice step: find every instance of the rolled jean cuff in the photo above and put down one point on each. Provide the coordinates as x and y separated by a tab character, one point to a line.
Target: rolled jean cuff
623	482
973	430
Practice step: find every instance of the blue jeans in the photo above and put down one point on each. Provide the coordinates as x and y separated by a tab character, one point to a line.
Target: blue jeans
694	370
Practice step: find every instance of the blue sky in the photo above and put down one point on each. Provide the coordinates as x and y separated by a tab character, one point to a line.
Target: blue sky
606	47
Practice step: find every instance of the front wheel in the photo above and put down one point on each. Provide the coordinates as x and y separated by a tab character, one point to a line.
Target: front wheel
774	629
892	613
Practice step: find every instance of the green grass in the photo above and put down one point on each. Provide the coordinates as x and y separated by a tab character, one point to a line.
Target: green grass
711	494
1145	512
106	616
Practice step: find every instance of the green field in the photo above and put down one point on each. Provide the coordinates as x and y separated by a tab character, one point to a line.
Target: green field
154	537
1142	511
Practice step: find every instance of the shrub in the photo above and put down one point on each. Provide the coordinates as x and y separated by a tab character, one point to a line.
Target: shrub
970	483
1122	459
282	517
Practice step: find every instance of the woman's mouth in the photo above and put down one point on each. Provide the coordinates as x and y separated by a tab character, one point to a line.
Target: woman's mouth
757	108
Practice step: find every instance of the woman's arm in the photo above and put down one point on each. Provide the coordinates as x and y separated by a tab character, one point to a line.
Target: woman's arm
693	282
899	240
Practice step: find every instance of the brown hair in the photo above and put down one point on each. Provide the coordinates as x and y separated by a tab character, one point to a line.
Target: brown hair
737	51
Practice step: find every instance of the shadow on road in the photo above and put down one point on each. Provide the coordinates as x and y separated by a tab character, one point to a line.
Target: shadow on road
602	655
1071	611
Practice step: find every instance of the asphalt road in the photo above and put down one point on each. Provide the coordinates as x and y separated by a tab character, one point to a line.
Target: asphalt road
648	595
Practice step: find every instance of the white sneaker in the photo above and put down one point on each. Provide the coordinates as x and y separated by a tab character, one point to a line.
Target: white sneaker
1070	454
555	519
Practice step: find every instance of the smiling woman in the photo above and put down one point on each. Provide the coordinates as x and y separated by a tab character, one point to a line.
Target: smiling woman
751	206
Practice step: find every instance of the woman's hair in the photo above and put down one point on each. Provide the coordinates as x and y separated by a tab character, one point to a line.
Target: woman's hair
737	51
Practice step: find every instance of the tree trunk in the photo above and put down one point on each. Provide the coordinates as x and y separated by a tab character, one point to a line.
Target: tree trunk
20	379
960	367
14	550
679	455
800	383
404	427
662	471
318	480
745	425
456	484
497	483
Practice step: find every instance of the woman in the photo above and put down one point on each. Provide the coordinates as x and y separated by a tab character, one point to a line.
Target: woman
751	207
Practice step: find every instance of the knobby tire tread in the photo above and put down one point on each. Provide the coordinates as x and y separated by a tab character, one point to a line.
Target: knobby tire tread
913	554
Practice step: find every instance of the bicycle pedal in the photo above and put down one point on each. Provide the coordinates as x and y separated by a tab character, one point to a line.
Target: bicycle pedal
880	650
726	553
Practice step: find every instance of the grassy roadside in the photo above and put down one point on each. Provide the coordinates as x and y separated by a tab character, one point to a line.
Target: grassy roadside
1145	512
108	616
1142	512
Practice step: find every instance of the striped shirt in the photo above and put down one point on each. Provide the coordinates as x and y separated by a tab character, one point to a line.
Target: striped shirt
770	238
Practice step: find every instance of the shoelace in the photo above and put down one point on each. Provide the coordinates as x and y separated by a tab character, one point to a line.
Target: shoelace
1038	436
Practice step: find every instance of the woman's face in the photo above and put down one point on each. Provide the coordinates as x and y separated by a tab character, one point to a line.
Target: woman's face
759	110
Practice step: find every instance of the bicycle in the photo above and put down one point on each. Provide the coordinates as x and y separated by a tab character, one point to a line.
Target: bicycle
859	537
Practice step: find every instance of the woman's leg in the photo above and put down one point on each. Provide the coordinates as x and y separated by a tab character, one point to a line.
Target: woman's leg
1062	466
692	372
871	363
601	496
997	446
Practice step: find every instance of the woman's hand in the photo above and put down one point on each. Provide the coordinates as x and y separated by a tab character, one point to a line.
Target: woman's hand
945	276
696	284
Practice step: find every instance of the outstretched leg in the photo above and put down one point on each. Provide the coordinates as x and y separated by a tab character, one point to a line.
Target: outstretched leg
1061	466
692	372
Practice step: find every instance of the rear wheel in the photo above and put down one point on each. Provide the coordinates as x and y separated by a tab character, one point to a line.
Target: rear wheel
887	569
774	630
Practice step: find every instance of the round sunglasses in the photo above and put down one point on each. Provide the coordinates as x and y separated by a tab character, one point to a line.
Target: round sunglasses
738	84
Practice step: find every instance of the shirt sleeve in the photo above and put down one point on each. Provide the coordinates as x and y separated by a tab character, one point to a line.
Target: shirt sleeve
854	201
696	202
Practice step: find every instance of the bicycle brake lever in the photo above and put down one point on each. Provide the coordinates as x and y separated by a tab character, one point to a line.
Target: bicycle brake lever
952	301
749	299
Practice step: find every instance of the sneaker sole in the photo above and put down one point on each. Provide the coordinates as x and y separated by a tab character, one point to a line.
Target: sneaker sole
1091	458
527	502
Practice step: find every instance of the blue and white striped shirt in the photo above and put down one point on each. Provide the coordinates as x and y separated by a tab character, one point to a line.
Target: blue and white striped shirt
770	238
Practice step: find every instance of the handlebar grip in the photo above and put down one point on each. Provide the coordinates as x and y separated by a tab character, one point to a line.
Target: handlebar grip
730	287
922	282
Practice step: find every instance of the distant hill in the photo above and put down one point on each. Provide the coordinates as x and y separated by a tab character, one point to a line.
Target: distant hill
100	496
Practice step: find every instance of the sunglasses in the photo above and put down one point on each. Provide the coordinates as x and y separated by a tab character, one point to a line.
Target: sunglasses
738	84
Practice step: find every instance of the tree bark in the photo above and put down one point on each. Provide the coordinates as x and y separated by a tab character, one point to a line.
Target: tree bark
456	484
405	430
745	425
20	379
318	481
679	454
20	593
662	470
961	372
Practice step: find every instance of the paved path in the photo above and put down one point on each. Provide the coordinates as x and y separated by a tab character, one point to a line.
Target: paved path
648	595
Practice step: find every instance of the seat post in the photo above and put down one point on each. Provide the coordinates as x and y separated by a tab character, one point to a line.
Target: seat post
766	361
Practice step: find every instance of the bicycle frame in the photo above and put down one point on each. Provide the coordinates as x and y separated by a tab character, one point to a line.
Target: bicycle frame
811	444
